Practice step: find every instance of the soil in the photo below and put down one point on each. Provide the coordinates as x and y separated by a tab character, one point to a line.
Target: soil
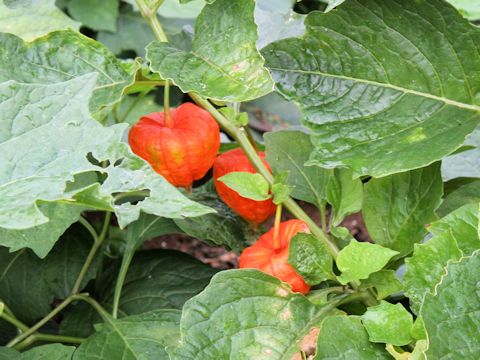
220	258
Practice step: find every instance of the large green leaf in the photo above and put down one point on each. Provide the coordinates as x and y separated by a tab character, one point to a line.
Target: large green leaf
379	83
276	24
223	228
224	63
47	137
385	283
308	183
32	19
345	338
358	260
157	279
49	352
42	238
451	314
246	314
465	194
137	337
397	207
8	354
61	56
470	9
456	234
28	285
97	15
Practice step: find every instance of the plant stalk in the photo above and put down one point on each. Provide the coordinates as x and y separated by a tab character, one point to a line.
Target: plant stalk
276	227
166	105
47	337
97	242
42	322
14	321
126	261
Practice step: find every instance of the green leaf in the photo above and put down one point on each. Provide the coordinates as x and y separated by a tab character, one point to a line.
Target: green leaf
9	354
450	314
311	259
464	164
249	314
345	194
465	194
29	292
62	56
42	151
307	182
157	279
398	207
223	228
359	259
79	320
143	336
42	238
342	236
132	108
280	193
369	106
345	338
224	63
385	282
94	14
455	235
469	9
388	323
33	19
249	185
277	24
133	33
49	352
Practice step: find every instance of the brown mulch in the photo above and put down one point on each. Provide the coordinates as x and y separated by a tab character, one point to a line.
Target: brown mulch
220	258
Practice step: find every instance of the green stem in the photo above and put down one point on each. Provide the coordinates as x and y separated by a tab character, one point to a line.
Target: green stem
166	104
127	259
97	242
151	17
47	337
42	322
98	308
14	321
323	215
276	227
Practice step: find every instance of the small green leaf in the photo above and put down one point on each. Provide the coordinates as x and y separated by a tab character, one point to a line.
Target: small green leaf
397	207
359	259
451	313
345	194
238	120
257	313
311	259
385	282
280	193
307	182
94	14
342	236
49	352
224	63
388	323
32	19
418	329
145	336
249	185
345	338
